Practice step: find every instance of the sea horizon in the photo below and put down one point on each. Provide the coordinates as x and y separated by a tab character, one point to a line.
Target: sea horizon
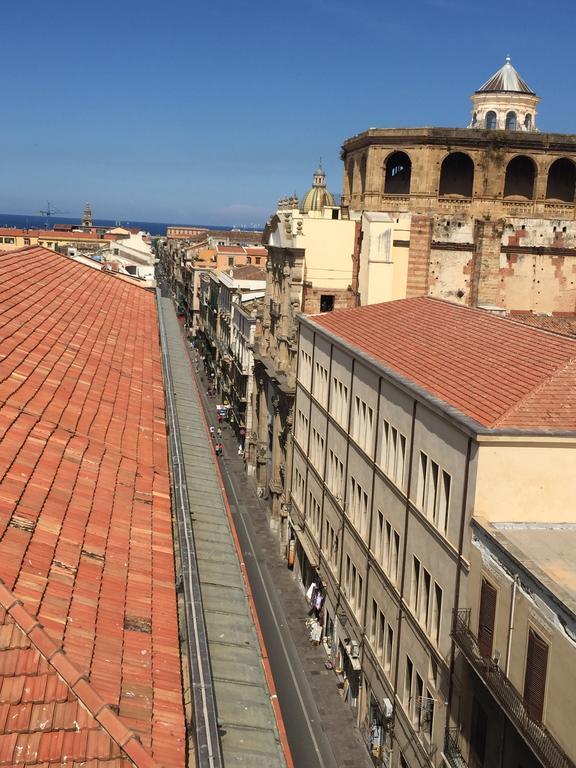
29	221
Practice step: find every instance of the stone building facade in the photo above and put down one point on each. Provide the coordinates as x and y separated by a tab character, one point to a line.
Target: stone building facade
402	447
492	211
312	266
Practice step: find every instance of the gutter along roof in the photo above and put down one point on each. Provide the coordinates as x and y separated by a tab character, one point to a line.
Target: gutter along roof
89	652
501	374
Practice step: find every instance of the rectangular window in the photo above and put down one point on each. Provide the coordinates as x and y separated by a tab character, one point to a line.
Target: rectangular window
305	369
381	636
379	544
535	678
394	558
427	715
359	596
424	608
431	499
422	473
436	614
389	650
373	623
320	388
486	619
417	710
444	502
400	461
363	424
415	584
339	402
408	684
433	492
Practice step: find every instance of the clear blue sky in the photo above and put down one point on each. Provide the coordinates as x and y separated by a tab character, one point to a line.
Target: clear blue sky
209	111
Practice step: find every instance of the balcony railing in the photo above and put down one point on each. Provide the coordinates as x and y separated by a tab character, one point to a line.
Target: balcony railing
536	735
452	750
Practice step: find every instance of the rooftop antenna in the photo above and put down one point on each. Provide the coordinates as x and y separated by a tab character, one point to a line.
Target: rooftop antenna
49	212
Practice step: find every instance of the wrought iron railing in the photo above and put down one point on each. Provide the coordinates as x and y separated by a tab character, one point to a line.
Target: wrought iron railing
452	750
536	735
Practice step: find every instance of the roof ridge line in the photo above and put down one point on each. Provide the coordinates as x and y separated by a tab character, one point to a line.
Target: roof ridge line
533	392
128	279
79	683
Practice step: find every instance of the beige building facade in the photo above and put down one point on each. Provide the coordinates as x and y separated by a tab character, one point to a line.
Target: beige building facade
398	448
312	266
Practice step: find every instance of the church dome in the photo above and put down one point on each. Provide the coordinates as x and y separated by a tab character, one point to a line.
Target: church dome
318	196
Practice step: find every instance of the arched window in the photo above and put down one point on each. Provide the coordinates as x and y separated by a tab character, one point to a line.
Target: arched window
528	122
511	121
351	176
456	175
491	120
363	174
474	120
398	174
561	181
520	177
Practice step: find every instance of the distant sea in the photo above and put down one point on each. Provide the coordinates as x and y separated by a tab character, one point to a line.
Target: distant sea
39	222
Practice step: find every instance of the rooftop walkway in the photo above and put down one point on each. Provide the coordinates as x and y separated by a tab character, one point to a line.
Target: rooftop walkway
248	728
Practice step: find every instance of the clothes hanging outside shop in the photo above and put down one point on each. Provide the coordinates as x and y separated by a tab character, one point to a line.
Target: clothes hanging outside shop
315	631
315	596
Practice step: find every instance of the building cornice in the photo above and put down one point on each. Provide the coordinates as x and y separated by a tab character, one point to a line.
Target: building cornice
462	137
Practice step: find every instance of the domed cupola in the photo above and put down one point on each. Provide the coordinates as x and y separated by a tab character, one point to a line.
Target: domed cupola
318	196
504	102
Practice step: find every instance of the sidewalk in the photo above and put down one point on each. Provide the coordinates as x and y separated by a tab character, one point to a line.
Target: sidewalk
337	719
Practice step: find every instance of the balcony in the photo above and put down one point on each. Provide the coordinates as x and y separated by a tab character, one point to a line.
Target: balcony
452	752
536	735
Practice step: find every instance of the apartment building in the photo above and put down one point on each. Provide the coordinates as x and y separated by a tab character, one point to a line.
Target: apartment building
413	418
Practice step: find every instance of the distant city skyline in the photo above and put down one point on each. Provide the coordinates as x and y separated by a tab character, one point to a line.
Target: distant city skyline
209	113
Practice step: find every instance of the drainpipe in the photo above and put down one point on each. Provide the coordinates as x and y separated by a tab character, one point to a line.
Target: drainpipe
511	625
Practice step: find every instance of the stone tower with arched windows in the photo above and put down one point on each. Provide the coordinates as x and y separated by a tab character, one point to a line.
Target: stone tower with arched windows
504	102
491	208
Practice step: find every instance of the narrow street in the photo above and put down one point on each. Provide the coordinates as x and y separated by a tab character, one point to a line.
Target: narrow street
320	727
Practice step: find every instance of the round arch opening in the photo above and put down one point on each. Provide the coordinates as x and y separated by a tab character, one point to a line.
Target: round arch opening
398	174
456	176
520	178
561	184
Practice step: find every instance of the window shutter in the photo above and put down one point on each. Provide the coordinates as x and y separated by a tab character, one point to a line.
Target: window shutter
535	679
487	619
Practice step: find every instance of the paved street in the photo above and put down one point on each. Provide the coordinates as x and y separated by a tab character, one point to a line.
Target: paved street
319	725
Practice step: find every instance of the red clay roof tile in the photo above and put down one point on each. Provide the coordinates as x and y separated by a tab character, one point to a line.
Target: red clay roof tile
495	371
84	504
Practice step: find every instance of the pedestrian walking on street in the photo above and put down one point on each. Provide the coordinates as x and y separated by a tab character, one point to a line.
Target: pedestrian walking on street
218	449
219	432
212	431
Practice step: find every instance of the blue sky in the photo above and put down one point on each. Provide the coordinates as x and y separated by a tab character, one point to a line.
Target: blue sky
208	112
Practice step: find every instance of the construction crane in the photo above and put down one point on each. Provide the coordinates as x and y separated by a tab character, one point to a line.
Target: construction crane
49	212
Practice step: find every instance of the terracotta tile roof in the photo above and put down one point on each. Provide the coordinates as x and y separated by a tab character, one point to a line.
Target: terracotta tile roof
230	249
497	372
246	272
85	528
554	323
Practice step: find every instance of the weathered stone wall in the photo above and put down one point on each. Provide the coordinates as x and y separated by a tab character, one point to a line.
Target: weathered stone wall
519	264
